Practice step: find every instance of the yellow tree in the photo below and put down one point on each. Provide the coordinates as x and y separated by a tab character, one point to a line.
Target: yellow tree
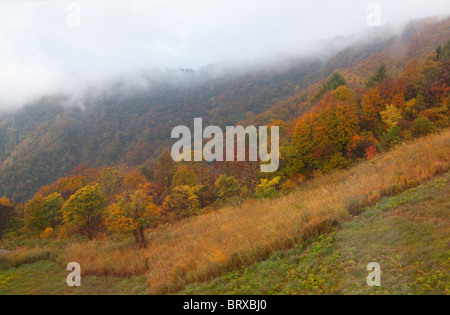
84	209
184	176
132	213
391	116
183	201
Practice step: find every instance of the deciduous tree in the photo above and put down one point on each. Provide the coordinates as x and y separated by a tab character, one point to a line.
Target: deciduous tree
132	213
6	215
84	209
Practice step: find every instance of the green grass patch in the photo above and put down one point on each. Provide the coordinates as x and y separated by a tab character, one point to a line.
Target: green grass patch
48	278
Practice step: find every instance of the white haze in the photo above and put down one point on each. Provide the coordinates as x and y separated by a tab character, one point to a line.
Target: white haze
41	54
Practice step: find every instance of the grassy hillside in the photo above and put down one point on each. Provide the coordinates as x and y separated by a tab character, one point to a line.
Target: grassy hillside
408	235
204	247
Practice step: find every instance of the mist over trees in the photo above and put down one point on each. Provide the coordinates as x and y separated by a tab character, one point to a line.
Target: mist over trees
129	120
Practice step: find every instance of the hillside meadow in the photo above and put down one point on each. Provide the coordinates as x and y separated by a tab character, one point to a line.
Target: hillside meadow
407	234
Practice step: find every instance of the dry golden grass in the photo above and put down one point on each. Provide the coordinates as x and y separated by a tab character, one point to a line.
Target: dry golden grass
203	247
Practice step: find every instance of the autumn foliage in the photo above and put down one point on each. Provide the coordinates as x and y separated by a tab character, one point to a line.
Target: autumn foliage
192	221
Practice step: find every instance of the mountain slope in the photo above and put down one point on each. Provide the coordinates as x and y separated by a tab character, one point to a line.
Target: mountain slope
360	60
130	120
45	141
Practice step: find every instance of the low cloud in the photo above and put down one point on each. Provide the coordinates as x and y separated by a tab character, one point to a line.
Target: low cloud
43	50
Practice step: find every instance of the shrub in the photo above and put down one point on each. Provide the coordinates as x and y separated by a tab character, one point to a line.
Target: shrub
268	189
48	233
391	138
227	186
336	161
422	126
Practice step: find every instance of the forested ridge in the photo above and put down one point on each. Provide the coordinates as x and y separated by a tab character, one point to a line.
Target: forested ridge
45	141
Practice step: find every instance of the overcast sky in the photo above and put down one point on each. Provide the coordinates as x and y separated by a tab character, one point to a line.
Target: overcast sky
48	46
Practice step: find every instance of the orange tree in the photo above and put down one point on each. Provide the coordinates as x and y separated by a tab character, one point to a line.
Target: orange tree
322	136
